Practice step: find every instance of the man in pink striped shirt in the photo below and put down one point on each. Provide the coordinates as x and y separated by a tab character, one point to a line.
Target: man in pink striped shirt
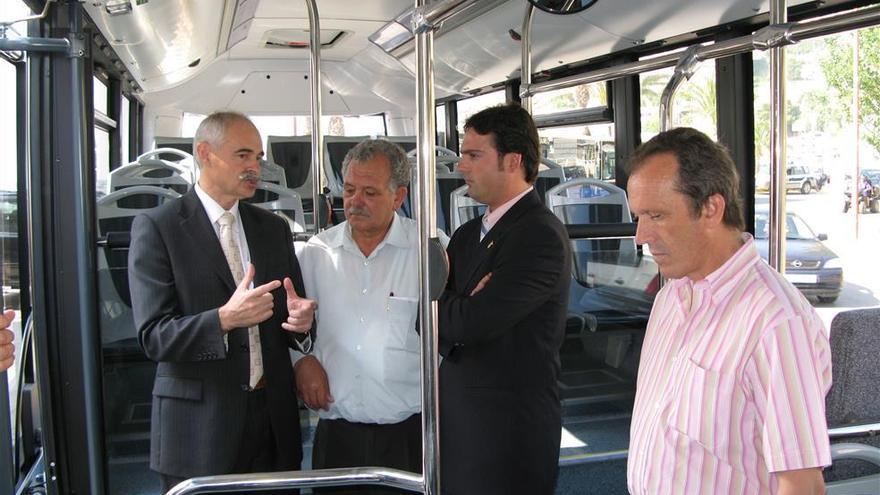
736	363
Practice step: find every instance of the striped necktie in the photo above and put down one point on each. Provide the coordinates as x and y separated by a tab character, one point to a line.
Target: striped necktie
233	256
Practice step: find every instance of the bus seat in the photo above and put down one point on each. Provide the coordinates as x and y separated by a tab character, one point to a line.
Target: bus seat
441	177
548	178
282	201
163	143
114	219
463	208
853	401
608	278
588	201
335	148
447	182
408	143
151	171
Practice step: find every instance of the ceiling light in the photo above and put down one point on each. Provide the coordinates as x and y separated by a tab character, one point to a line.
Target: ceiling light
117	7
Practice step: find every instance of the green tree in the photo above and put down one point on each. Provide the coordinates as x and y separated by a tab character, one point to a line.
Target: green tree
838	70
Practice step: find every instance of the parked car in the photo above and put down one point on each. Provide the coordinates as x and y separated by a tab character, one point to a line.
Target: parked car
810	265
799	178
870	202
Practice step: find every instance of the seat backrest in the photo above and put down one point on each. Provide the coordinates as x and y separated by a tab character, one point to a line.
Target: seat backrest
463	208
115	214
548	178
589	201
853	398
336	148
294	155
284	202
167	143
151	171
408	143
446	182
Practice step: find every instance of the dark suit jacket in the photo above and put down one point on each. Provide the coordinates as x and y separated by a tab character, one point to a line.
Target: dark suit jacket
500	416
179	278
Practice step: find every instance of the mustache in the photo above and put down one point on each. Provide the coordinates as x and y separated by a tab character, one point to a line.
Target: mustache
249	175
357	211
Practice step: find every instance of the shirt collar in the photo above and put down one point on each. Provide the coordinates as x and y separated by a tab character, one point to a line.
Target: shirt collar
341	237
212	208
491	217
725	278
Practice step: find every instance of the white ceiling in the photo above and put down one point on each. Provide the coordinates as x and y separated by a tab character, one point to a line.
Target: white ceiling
160	39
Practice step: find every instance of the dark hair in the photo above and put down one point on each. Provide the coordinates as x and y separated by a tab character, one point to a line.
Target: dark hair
513	131
704	168
401	170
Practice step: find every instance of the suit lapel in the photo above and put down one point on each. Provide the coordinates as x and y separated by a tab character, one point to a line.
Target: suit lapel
494	237
194	221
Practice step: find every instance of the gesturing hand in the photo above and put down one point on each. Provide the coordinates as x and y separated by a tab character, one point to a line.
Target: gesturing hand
300	311
248	307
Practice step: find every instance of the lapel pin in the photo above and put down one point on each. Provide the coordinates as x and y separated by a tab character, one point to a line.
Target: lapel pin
491	243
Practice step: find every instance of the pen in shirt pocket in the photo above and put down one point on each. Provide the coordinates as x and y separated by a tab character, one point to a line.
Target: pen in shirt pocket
388	301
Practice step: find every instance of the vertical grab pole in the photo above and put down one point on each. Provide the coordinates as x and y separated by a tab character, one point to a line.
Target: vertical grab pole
525	82
317	137
776	254
425	208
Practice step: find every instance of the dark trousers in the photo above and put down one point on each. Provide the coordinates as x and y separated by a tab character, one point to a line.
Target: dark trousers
339	444
257	450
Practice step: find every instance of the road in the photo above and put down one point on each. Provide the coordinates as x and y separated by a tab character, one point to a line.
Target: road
857	248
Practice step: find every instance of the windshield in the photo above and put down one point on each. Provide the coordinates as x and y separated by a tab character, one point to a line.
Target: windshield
795	227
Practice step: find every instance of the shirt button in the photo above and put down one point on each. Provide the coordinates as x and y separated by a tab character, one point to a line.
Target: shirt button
657	406
364	291
358	347
363	319
366	263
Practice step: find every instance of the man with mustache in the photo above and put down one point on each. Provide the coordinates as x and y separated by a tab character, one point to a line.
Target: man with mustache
363	376
217	299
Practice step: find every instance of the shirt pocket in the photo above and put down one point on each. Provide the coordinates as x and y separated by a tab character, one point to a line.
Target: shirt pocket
701	410
402	315
400	354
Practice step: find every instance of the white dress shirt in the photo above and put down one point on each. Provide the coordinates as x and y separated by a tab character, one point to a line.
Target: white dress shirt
214	210
367	310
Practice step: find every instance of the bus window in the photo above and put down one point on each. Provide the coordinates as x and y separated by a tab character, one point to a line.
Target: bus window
830	263
123	130
581	150
577	98
692	106
470	106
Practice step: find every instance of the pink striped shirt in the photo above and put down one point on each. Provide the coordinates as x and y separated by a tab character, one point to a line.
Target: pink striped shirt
731	385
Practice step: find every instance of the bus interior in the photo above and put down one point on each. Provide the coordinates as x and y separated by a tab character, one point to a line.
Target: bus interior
101	98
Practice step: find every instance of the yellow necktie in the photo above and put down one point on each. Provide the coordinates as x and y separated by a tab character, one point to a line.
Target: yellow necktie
230	249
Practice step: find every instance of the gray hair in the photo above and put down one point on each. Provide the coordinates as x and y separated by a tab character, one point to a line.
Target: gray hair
213	129
401	170
704	168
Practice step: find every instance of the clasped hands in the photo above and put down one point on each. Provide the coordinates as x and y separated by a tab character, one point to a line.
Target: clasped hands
248	307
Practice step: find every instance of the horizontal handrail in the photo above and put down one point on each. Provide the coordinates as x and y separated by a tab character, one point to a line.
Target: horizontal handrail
768	37
869	429
598	231
301	479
